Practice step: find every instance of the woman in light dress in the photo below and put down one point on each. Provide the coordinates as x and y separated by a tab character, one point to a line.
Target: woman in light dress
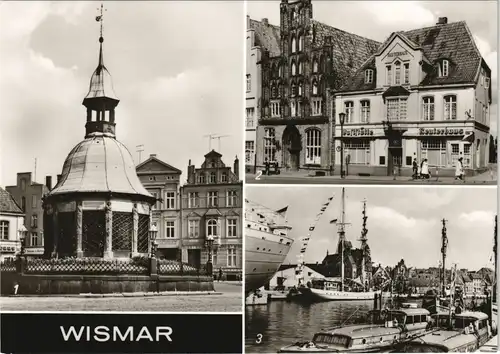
424	170
459	169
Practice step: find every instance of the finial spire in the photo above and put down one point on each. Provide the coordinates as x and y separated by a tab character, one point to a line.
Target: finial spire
100	19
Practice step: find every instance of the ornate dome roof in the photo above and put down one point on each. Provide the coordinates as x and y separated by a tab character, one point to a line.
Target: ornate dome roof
100	163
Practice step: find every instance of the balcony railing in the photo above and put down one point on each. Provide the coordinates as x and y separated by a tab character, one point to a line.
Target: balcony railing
210	202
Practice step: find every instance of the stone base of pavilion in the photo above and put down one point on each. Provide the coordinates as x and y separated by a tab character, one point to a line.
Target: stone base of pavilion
25	276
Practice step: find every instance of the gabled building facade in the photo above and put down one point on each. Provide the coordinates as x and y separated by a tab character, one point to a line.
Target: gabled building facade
28	195
11	226
211	205
287	275
300	61
162	181
425	94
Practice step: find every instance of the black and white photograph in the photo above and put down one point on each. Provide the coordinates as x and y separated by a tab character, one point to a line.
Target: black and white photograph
362	269
121	156
396	92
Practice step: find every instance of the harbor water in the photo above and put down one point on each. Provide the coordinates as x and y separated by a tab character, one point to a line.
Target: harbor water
279	323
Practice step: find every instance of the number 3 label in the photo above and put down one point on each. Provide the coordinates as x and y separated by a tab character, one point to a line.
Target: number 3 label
259	339
259	173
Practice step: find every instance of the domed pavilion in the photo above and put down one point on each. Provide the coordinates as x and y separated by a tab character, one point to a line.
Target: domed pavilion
98	207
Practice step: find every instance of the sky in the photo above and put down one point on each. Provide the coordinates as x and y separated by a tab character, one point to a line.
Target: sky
403	223
378	19
177	68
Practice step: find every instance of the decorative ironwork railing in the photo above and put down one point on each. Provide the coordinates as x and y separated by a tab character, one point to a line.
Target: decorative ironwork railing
170	267
122	231
86	266
8	265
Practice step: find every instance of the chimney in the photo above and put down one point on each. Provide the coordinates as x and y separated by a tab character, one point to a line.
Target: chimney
265	21
190	176
248	21
236	167
59	178
48	182
152	155
442	21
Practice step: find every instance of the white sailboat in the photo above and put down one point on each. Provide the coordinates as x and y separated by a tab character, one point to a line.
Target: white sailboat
338	289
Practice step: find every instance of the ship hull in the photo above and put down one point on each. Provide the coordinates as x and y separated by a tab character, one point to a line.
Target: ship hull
264	254
331	295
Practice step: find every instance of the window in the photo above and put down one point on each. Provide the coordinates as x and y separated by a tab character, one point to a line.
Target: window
294	44
231	257
358	151
23	184
269	144
153	178
293	108
274	91
275	109
23	203
249	151
34	239
368	76
365	111
455	152
397	73
428	108
170	229
301	68
170	200
396	109
249	82
193	201
450	107
317	106
231	228
249	117
213	177
194	228
434	150
4	229
301	43
313	147
315	87
212	228
487	82
231	198
294	68
33	201
315	65
407	73
34	221
388	75
294	90
201	178
213	198
349	111
443	68
301	88
280	70
223	177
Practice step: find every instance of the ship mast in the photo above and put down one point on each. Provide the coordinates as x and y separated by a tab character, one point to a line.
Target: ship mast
444	246
364	246
341	233
494	287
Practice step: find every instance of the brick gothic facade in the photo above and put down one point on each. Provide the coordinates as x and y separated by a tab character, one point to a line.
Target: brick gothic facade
300	61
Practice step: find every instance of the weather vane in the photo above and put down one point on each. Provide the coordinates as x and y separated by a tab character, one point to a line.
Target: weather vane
100	17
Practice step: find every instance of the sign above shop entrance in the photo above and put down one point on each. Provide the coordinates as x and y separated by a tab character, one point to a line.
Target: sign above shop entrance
441	131
358	132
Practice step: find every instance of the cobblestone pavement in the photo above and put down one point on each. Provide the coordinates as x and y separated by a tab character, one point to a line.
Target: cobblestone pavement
229	301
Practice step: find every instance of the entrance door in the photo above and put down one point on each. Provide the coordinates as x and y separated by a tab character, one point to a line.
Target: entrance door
292	145
194	258
395	158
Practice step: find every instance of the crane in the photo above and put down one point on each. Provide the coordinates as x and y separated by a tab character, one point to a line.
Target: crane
218	137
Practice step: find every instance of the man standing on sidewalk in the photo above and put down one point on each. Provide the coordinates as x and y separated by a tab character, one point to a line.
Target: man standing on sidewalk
459	169
415	168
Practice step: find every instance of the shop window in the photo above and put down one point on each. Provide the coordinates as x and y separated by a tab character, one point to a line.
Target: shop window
467	156
358	151
313	147
269	144
409	161
434	150
381	160
455	153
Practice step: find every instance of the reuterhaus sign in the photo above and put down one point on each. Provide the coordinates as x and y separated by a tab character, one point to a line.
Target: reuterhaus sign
441	131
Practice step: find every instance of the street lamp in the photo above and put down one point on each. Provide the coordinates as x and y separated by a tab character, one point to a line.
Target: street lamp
342	120
22	238
210	243
153	232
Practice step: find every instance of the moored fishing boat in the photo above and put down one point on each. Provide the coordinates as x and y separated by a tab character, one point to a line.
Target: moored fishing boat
330	289
381	331
464	332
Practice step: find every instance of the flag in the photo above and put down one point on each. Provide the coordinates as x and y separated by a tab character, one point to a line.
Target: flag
330	198
334	221
323	208
311	228
282	210
98	18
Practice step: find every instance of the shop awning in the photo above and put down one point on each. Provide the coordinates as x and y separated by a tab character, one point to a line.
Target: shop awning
469	136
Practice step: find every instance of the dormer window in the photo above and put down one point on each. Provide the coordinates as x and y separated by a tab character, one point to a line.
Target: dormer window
397	73
443	68
368	76
388	75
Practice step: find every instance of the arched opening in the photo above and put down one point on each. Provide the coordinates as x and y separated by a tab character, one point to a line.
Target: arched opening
292	145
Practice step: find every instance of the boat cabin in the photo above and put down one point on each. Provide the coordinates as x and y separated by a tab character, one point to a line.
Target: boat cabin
466	321
335	284
382	329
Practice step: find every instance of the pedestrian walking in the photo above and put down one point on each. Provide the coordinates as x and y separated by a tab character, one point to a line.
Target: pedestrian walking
459	169
220	274
424	170
266	166
415	168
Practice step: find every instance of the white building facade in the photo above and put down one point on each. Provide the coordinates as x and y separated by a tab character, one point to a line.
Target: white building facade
11	226
288	276
425	94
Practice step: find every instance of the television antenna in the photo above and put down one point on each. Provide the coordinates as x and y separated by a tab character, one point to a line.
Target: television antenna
140	149
210	137
218	137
